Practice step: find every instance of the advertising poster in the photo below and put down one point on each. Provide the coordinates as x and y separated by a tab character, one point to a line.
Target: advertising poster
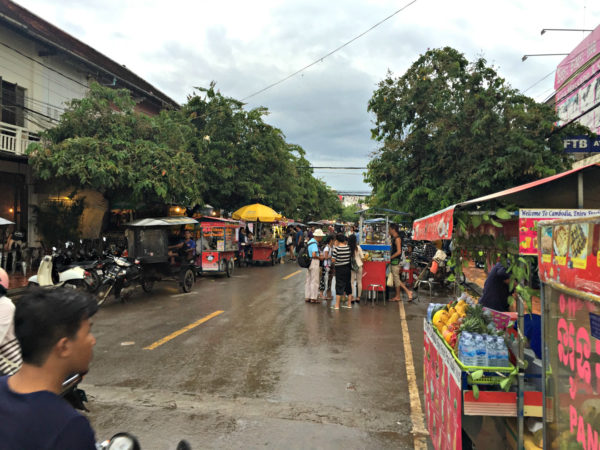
577	84
443	405
570	254
529	219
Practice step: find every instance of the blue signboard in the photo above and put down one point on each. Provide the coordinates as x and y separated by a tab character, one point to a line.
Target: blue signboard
581	144
281	252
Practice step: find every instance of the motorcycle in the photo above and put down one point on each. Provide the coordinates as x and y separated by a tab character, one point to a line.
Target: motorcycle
49	276
121	277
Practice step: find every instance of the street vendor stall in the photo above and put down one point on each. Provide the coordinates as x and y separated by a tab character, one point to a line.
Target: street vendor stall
216	245
267	232
482	226
569	261
374	239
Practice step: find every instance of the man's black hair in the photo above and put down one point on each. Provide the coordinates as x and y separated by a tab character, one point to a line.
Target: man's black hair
394	226
44	316
341	237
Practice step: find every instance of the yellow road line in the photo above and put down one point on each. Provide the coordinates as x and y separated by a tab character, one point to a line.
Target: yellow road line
416	413
287	277
183	330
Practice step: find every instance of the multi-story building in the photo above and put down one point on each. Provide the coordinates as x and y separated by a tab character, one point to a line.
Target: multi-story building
41	68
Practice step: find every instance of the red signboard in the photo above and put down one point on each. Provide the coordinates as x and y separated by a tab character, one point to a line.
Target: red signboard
435	226
530	218
569	254
443	397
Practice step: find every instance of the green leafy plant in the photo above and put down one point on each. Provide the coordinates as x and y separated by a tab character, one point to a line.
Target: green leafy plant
475	245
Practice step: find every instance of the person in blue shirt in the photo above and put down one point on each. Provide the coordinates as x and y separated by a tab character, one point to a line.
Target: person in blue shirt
311	286
53	327
187	244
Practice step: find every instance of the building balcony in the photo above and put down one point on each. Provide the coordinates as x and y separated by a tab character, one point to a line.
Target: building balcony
15	139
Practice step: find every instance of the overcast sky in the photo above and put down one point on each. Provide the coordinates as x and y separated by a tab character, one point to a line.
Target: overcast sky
246	45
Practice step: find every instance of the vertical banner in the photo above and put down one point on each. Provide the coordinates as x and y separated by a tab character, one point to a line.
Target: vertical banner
443	396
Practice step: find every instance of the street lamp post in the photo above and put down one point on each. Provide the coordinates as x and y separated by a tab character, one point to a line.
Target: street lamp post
544	54
562	29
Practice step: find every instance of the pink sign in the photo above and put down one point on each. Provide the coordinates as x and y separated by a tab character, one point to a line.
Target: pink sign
586	50
443	397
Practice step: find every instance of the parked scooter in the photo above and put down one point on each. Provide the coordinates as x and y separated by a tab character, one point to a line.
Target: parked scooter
48	275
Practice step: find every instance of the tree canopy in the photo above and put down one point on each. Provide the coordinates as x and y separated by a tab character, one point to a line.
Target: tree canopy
212	150
246	160
452	130
103	144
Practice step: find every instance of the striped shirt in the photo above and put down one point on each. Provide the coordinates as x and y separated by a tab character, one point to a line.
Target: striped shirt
10	351
341	254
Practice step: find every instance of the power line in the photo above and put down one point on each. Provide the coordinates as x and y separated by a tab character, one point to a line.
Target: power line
330	53
538	82
43	65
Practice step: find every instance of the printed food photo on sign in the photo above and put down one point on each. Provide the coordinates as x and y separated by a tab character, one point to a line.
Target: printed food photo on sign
578	250
560	236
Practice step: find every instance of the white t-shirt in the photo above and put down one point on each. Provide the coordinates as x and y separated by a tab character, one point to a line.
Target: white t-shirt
359	256
327	262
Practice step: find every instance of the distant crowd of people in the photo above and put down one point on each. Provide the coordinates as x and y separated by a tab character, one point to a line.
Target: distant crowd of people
338	255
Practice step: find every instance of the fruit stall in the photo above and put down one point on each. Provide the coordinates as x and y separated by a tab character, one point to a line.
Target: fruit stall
496	407
569	261
469	373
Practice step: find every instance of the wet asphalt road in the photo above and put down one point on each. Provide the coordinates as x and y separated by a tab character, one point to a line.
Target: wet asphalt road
270	371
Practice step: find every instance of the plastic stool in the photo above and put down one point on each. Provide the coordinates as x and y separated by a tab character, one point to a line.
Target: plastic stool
373	293
410	275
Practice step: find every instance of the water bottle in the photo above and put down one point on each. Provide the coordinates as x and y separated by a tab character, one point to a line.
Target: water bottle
480	350
502	357
491	346
466	349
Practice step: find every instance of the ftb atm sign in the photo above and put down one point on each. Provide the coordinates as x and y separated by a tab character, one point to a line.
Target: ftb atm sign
581	144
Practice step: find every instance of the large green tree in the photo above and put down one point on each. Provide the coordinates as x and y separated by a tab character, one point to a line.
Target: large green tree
103	144
452	130
246	160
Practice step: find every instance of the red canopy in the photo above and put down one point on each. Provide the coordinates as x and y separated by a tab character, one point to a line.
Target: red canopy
558	191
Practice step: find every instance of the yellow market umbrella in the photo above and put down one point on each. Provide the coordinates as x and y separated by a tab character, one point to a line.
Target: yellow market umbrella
256	212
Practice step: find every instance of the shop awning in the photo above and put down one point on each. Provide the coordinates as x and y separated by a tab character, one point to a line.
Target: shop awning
576	188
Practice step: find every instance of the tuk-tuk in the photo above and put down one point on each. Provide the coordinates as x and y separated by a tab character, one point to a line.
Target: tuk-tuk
216	245
150	241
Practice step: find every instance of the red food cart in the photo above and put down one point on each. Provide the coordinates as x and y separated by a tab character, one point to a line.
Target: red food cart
216	245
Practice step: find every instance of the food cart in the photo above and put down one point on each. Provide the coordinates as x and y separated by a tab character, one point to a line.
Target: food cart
374	239
569	262
216	245
265	246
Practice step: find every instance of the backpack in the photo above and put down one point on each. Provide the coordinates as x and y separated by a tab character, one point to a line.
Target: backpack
303	257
